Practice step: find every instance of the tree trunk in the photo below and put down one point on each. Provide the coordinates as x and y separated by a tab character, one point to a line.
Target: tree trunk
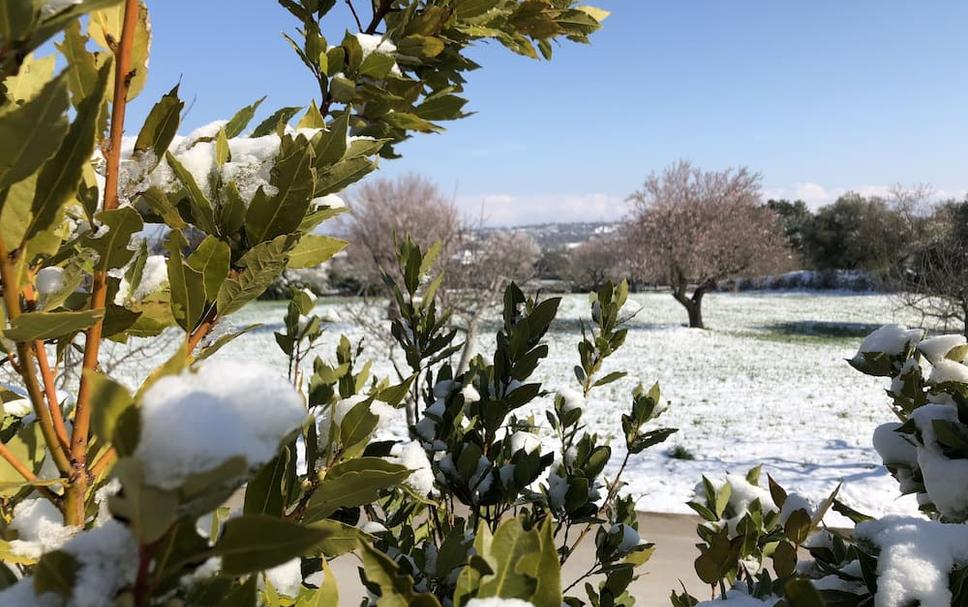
468	352
695	314
693	304
964	317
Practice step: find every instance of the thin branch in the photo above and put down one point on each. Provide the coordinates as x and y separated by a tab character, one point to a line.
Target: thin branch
11	298
356	17
378	16
203	329
25	472
82	416
57	416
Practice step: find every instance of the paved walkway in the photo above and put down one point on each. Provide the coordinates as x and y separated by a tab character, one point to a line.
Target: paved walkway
675	539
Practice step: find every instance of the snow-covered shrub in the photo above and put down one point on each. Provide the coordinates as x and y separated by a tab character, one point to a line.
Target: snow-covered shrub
492	487
205	481
894	561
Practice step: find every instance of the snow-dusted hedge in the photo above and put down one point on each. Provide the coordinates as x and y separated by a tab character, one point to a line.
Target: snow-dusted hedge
846	280
213	483
894	561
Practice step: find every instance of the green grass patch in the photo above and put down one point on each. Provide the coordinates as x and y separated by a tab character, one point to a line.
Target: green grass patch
811	332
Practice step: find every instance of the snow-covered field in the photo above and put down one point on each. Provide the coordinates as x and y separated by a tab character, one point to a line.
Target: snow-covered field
767	383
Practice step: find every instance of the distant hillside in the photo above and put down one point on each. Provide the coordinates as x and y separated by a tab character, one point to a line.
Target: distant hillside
551	236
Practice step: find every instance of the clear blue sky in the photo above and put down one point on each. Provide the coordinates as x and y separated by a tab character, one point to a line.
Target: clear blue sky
819	96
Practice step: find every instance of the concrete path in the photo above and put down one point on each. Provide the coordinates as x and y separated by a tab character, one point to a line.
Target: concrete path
675	539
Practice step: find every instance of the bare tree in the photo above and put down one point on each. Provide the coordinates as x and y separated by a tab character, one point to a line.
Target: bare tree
476	267
475	277
384	210
597	260
696	228
935	281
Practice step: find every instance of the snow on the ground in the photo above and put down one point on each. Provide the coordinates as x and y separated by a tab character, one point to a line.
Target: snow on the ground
768	384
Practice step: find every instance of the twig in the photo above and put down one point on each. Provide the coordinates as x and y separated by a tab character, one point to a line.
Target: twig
11	298
203	329
82	416
378	16
25	472
356	17
608	498
57	416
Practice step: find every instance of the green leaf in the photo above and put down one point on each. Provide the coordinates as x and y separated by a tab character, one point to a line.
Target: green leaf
223	153
342	174
292	176
327	594
511	543
32	132
112	248
161	125
342	538
211	260
396	590
81	65
613	376
410	122
30	80
216	345
16	19
313	249
469	9
31	326
258	542
377	65
245	595
56	573
15	213
312	119
150	511
353	483
28	446
115	419
425	47
394	395
332	143
51	25
801	593
442	107
61	174
545	567
264	494
355	429
260	266
104	27
241	119
280	117
230	214
202	209
157	201
187	286
342	89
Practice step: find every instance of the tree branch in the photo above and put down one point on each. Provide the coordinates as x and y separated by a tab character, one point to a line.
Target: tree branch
359	25
11	298
82	416
57	416
378	16
25	472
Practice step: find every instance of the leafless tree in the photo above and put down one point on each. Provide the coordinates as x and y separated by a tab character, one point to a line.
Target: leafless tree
476	267
696	228
597	260
384	210
935	281
475	277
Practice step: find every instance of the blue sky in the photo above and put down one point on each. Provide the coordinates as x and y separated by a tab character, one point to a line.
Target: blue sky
819	96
